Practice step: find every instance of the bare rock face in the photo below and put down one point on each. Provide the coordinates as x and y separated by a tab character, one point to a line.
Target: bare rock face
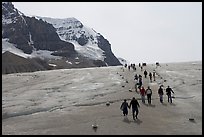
110	57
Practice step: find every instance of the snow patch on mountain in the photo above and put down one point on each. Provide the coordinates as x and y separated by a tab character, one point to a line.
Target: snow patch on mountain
91	51
43	54
123	61
6	46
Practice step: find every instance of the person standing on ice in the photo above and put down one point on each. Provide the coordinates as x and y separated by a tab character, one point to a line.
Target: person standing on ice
143	93
134	103
124	107
141	68
150	76
136	77
145	73
161	93
168	93
154	75
149	94
140	82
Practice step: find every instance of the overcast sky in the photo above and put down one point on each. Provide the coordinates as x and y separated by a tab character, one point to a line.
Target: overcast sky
138	32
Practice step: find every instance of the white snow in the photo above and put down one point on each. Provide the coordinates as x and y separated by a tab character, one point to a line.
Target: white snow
6	46
52	65
123	61
5	2
67	61
89	50
43	54
30	38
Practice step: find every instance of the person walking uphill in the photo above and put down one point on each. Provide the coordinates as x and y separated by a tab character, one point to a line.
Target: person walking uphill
124	107
150	76
145	73
149	94
161	93
168	93
134	103
154	75
143	93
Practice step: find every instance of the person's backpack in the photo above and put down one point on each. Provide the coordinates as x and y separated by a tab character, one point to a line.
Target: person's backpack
149	91
160	91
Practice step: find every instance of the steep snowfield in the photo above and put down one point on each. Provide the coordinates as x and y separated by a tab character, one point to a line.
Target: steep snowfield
91	51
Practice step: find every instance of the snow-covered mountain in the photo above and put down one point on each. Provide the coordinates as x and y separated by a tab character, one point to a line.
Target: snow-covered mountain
66	43
86	41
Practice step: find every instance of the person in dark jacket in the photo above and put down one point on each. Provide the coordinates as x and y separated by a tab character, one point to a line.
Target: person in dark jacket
154	75
124	107
140	82
150	76
136	77
145	73
161	93
168	93
149	94
134	103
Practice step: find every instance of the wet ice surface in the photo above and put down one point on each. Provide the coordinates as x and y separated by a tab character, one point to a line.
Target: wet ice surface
28	93
185	79
49	96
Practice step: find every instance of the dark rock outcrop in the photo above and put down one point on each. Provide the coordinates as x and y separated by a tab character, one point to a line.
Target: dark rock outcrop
12	63
106	47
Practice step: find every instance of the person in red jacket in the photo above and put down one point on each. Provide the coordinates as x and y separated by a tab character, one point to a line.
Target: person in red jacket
143	93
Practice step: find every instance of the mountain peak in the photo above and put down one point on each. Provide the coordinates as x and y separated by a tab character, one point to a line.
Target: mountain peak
86	40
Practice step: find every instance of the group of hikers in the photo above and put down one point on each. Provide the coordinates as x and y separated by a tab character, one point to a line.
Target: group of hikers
138	78
144	92
150	75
